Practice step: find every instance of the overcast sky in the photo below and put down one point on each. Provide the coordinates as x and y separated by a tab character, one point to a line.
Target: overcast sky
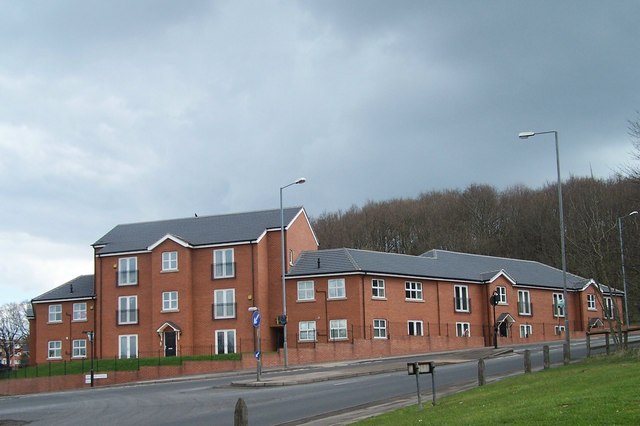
127	111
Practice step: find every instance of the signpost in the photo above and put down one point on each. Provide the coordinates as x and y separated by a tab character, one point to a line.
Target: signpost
494	300
255	320
423	367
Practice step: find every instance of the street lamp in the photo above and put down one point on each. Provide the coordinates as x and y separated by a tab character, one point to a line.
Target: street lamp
526	135
284	294
624	280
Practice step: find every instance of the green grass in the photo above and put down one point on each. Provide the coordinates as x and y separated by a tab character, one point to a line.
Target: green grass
104	365
598	391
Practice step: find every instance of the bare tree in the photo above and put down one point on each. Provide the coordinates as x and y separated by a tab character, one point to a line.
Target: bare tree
14	328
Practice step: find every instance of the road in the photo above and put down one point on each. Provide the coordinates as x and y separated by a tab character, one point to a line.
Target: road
212	400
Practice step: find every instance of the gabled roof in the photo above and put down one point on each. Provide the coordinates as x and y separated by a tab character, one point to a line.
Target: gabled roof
195	231
81	287
434	264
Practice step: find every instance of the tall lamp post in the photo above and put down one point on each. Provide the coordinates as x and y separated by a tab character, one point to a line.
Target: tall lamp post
624	280
526	135
284	294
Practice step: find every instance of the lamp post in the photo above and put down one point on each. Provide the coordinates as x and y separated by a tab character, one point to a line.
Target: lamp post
91	336
624	280
526	135
284	294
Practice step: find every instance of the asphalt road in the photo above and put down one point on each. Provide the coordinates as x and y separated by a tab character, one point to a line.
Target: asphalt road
212	400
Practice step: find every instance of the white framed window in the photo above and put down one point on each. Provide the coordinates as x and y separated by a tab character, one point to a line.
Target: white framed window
128	271
502	295
307	331
79	349
80	311
461	299
128	346
609	312
169	261
524	302
128	310
224	301
463	329
415	328
591	302
526	330
55	349
306	291
169	301
379	328
377	289
223	264
337	289
559	329
558	304
225	341
413	290
55	313
338	329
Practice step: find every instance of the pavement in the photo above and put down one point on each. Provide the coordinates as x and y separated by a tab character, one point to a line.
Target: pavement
342	370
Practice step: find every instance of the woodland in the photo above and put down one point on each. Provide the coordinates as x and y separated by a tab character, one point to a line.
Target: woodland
518	222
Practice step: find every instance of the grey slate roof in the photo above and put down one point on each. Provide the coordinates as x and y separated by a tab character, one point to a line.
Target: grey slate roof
197	231
80	287
436	264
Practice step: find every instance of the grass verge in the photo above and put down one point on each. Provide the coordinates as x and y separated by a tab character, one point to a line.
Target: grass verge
104	365
601	390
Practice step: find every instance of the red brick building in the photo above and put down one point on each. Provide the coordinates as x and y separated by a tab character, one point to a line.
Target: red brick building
185	286
346	294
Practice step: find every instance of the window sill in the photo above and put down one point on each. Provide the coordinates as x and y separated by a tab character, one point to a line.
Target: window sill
378	298
414	300
337	298
79	320
339	339
168	271
55	358
127	284
592	309
79	357
305	300
168	311
54	322
462	312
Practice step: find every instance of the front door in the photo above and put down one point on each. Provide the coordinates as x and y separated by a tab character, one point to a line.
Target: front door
169	343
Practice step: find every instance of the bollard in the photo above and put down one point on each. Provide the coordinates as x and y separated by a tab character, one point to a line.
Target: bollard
566	356
527	361
481	374
547	360
241	415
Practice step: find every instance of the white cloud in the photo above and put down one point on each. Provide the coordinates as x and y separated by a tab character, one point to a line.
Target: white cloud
32	265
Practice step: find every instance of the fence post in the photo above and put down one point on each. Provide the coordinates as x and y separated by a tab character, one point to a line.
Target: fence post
588	345
241	414
566	357
547	360
527	361
481	372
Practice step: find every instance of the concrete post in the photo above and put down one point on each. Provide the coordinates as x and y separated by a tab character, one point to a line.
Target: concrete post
588	345
566	357
547	360
241	415
606	339
481	373
527	361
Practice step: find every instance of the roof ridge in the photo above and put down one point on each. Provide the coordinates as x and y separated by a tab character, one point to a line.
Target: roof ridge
352	260
208	216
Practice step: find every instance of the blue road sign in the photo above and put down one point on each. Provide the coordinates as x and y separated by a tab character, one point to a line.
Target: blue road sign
257	354
255	319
